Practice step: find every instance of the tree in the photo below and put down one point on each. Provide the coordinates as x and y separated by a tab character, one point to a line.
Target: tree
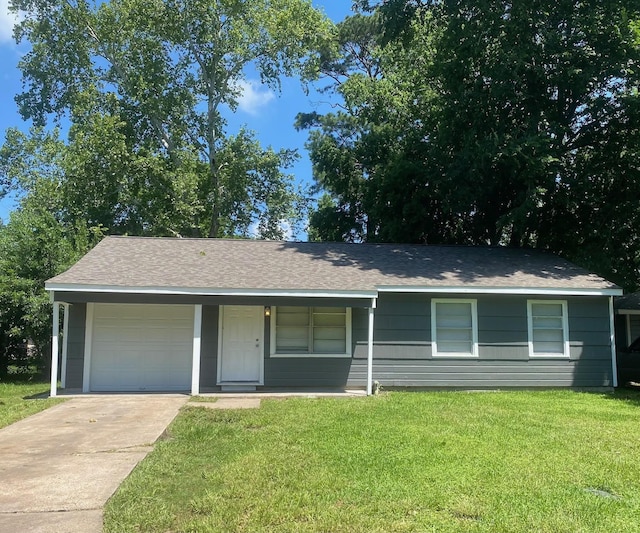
508	124
34	246
155	76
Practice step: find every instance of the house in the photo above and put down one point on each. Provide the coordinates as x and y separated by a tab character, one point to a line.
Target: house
147	314
627	324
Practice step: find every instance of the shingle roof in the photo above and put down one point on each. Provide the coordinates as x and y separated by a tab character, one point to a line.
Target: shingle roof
223	264
628	301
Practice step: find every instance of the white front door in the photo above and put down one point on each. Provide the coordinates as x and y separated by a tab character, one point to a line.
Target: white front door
241	346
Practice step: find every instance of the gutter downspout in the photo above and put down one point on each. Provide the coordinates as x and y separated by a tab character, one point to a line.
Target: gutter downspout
614	362
370	348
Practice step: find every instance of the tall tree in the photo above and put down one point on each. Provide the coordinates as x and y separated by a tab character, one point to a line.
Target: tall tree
162	72
521	129
35	245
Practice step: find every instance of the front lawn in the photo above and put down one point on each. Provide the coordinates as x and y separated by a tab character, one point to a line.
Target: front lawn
20	398
442	461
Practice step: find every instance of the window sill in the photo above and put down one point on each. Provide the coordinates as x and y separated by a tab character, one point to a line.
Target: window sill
549	356
310	355
454	356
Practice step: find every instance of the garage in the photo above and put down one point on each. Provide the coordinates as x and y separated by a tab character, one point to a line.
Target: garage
141	347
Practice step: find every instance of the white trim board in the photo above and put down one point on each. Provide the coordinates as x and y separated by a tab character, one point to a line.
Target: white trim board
532	291
312	293
435	353
311	355
566	346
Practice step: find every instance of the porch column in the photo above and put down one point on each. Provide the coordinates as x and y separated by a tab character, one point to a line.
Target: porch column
614	362
195	360
54	349
65	344
370	348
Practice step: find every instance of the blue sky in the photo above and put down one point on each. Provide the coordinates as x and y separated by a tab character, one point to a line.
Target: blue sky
270	115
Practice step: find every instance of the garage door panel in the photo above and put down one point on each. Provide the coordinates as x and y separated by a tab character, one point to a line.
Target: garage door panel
141	347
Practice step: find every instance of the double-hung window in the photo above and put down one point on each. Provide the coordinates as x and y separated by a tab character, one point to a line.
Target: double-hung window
454	327
548	328
311	331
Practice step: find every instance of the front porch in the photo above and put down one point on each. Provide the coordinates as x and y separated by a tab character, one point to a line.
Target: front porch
219	345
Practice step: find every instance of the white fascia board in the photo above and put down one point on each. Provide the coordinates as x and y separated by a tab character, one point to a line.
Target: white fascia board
298	293
502	290
628	311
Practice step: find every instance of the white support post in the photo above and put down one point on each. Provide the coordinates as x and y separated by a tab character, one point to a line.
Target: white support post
614	362
65	344
54	349
197	342
628	328
370	349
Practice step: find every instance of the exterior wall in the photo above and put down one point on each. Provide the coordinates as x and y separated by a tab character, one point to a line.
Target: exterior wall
322	372
75	346
278	372
209	346
402	346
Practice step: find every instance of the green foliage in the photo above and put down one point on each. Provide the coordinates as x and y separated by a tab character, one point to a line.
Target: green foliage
34	246
144	84
490	123
141	85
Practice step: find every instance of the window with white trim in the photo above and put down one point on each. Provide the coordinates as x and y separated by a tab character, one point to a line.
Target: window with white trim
548	328
454	327
311	331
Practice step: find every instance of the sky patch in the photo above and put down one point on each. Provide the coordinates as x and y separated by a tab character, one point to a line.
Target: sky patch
254	96
7	22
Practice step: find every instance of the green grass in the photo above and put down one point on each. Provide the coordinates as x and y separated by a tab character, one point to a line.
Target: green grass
445	461
19	399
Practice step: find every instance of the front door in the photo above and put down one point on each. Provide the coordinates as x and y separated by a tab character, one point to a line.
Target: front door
241	346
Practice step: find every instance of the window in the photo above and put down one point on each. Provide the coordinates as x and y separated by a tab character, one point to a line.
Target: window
311	331
548	328
454	327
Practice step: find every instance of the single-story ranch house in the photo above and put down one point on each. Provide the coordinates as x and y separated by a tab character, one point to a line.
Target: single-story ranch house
169	314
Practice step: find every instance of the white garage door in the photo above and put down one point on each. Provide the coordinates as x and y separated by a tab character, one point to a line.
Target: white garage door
141	347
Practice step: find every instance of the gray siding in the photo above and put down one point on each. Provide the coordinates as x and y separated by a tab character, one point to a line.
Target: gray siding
75	346
209	346
402	346
291	372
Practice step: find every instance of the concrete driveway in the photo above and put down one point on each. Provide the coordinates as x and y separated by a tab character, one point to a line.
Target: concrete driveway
59	467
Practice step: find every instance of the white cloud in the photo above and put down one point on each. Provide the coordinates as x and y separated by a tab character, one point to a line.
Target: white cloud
7	21
254	96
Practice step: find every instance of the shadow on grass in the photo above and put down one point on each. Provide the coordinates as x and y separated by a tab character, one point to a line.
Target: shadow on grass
27	378
627	394
39	396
